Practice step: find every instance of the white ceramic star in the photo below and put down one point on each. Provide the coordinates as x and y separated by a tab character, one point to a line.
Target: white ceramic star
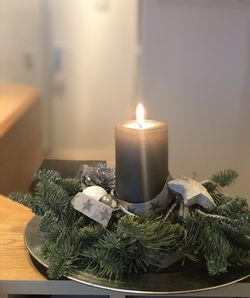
192	191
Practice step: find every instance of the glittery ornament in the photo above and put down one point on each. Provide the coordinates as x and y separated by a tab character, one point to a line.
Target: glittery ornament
101	175
109	200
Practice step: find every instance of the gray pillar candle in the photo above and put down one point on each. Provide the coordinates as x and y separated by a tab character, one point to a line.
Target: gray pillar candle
141	160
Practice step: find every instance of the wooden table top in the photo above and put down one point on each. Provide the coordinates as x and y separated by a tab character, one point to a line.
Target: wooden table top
15	100
15	262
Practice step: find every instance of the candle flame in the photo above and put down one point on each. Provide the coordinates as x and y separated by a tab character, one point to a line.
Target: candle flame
140	114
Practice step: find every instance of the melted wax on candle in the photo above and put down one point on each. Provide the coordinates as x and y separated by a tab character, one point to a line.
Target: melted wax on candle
142	125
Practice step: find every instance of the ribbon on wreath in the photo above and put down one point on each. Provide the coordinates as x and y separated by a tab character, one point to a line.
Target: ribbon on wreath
158	203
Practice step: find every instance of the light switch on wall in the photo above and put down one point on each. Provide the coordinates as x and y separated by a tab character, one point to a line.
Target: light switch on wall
58	59
28	60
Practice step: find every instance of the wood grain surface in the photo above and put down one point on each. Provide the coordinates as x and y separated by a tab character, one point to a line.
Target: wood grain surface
15	100
21	149
15	262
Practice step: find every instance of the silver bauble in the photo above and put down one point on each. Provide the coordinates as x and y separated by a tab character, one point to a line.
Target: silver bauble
109	200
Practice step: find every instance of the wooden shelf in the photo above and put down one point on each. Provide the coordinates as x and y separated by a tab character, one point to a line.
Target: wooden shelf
14	102
21	138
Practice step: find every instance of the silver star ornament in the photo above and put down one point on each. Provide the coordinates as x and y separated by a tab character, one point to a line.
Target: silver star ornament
192	192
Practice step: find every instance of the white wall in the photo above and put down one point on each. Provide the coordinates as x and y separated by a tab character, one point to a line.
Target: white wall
21	43
196	79
93	83
23	47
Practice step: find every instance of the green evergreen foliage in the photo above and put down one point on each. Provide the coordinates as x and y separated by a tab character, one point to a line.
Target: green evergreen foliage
239	256
225	177
238	231
155	234
113	255
51	175
232	206
210	186
133	244
206	237
71	185
24	199
64	253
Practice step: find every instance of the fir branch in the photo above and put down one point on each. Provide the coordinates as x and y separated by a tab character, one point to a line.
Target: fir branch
225	177
238	231
153	233
102	264
91	234
113	256
24	199
71	185
51	175
205	236
64	254
28	201
219	198
231	206
50	222
216	251
51	196
239	256
105	257
210	186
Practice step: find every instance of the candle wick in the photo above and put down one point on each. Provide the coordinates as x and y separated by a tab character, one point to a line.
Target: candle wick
140	125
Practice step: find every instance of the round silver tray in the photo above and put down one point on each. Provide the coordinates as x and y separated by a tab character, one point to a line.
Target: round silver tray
191	279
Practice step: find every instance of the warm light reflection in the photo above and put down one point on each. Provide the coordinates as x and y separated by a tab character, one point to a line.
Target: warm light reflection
140	114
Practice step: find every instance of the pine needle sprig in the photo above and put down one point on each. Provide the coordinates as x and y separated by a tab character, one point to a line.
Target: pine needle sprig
225	177
51	175
24	199
102	264
239	256
238	231
113	256
50	225
217	251
71	185
28	201
90	234
104	257
193	232
51	196
206	237
220	198
64	254
153	233
211	186
232	206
